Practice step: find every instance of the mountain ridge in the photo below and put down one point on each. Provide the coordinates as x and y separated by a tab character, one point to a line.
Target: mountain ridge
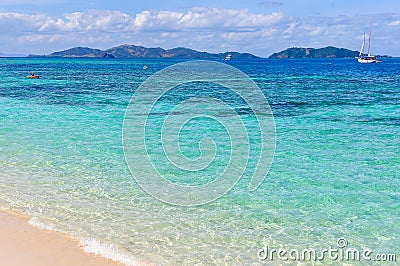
133	51
325	52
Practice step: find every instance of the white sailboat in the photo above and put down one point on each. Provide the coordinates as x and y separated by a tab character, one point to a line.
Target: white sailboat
367	58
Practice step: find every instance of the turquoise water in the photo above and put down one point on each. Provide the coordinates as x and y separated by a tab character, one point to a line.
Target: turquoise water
335	171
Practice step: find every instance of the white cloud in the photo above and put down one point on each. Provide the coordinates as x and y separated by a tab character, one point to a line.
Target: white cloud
19	23
204	18
93	20
394	23
150	20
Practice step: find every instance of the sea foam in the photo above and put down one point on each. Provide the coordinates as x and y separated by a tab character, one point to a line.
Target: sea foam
91	245
36	222
109	251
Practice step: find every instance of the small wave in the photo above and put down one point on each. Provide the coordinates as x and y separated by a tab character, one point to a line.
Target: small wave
34	221
91	245
4	209
109	251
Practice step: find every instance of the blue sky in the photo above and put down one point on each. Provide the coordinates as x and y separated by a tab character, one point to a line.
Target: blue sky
259	27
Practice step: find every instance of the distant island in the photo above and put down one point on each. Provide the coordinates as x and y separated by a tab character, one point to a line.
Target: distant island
326	52
133	51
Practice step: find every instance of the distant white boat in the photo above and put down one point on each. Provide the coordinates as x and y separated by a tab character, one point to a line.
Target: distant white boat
228	57
367	58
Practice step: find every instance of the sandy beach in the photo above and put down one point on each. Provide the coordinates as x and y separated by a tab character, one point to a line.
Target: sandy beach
23	244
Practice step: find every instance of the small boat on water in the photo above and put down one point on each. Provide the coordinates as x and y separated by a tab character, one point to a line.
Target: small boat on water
33	76
367	58
228	57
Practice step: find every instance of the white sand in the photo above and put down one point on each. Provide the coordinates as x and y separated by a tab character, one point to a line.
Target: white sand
23	244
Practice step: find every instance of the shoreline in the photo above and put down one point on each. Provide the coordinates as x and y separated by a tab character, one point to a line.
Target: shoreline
25	244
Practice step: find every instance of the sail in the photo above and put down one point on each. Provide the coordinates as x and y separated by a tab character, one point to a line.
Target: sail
362	47
369	43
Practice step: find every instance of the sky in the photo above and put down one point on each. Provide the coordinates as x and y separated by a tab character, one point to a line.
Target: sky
255	26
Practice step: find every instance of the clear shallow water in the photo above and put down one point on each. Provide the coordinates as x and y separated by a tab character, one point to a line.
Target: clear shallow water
335	171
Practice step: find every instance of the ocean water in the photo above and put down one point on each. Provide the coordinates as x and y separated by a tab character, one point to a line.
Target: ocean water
335	172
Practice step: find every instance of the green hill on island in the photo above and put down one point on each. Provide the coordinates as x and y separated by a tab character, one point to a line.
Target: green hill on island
133	51
326	52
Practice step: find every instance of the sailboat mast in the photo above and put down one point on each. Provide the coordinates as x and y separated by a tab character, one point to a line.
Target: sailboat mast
362	47
369	43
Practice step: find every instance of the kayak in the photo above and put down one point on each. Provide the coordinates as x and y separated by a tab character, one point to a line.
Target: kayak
33	76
